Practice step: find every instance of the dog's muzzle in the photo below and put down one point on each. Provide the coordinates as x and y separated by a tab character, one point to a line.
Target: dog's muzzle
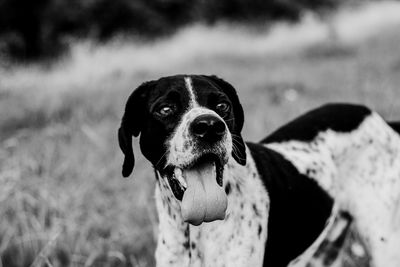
197	181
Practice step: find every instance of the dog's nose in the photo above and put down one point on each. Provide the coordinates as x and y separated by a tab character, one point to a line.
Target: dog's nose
208	128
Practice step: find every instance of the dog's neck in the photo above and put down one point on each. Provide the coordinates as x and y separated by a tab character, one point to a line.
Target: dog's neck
181	242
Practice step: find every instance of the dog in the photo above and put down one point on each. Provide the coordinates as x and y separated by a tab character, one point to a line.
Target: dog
225	202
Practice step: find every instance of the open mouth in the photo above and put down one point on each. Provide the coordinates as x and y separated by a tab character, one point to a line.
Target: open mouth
176	178
199	187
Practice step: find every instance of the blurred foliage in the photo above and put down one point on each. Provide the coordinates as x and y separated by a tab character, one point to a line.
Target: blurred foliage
37	29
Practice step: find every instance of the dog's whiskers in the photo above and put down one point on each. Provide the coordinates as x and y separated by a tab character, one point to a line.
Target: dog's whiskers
235	135
236	150
161	158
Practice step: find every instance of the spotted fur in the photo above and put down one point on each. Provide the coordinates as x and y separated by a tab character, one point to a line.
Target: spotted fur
361	170
238	240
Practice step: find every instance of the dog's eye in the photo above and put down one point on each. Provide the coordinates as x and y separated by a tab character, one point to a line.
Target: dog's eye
222	107
166	111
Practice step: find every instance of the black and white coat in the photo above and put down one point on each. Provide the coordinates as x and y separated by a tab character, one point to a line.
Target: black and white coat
281	191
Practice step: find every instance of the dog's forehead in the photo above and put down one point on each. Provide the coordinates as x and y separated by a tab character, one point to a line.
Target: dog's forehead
203	86
166	85
188	86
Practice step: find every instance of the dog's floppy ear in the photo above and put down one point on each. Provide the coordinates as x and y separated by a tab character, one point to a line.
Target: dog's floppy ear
239	150
131	124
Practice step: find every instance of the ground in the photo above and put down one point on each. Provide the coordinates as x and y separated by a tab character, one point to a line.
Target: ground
62	197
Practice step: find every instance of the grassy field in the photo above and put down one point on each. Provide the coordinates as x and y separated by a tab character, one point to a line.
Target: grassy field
63	201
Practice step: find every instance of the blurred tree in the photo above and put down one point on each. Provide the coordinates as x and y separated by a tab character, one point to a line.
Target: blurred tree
24	18
35	29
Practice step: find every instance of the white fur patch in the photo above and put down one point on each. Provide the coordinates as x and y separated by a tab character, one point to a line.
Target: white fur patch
361	171
192	96
170	249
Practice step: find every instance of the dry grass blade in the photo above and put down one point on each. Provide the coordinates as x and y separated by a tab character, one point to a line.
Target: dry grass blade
43	256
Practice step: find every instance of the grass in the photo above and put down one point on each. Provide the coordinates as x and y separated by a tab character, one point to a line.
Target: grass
62	199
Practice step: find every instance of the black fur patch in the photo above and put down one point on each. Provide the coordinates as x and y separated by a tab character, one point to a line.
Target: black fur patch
256	212
228	188
299	208
186	245
337	117
395	126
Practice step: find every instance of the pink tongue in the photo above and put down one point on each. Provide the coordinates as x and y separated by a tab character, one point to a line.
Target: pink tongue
204	200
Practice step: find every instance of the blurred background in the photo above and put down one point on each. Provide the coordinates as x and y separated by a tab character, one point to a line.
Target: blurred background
67	68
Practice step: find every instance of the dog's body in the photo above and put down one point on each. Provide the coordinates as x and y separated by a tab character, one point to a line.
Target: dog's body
279	193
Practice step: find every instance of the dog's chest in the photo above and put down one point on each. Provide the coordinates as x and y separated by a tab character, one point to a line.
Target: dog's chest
239	240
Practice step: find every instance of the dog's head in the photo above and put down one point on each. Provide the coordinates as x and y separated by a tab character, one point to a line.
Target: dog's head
189	126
